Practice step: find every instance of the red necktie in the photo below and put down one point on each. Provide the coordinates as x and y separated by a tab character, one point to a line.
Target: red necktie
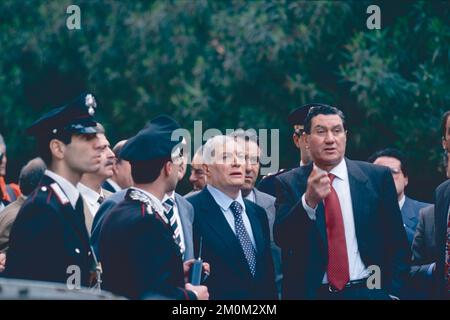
337	271
447	255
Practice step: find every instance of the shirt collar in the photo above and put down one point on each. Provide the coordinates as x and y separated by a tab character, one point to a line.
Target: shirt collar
158	205
69	189
340	171
402	202
223	200
167	196
88	194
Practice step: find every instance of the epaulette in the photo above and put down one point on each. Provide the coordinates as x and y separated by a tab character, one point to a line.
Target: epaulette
150	206
58	192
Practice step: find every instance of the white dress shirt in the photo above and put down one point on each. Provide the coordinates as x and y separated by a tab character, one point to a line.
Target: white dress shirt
177	216
224	202
69	189
90	197
341	184
251	196
402	202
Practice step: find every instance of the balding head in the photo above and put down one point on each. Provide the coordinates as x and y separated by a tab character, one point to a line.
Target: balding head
31	175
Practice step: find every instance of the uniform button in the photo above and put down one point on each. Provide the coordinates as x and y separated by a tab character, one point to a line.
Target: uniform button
77	250
89	253
44	189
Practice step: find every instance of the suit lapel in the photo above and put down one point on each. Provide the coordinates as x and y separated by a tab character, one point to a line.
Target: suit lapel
186	225
409	218
360	197
256	226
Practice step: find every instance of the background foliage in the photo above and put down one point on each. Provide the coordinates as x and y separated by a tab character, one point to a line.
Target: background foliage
234	64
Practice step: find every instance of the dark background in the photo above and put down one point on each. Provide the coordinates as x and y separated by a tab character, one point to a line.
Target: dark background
234	64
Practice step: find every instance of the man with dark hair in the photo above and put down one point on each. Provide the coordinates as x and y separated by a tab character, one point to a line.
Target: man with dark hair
397	164
337	218
140	246
49	237
121	178
8	192
296	119
29	179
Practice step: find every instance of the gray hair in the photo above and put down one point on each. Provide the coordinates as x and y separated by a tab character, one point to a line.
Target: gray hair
209	148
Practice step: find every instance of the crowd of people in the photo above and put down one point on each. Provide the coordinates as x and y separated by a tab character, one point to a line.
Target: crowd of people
330	228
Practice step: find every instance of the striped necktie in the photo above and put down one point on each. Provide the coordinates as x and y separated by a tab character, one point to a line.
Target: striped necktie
169	212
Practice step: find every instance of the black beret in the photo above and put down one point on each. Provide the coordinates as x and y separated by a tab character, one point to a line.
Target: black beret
152	142
76	117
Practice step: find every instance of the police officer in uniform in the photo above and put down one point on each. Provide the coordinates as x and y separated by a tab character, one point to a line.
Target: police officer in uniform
296	119
49	240
139	242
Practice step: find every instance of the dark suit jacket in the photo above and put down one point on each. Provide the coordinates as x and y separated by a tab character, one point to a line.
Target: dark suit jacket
378	226
424	242
267	202
139	255
108	186
47	237
185	210
423	255
410	216
230	275
442	201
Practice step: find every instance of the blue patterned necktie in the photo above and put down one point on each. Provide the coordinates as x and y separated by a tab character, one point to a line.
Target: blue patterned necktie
169	204
243	237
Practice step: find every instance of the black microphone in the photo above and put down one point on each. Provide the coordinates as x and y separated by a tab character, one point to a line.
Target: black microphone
197	267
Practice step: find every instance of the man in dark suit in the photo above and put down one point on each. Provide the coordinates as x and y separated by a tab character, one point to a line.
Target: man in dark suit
140	246
398	165
442	228
336	218
49	240
235	232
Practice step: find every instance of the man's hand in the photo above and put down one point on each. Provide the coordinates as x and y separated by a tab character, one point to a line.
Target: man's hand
318	188
200	291
187	268
2	262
